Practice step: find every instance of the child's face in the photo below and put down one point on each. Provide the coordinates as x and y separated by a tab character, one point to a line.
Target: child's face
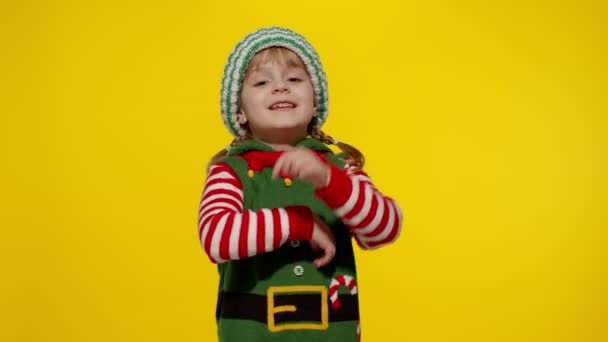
277	100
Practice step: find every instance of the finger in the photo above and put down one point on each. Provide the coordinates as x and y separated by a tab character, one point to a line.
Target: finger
314	246
276	169
290	168
282	165
295	168
305	168
306	173
323	260
328	254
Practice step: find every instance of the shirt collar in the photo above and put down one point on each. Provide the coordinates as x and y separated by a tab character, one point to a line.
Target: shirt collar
254	145
259	155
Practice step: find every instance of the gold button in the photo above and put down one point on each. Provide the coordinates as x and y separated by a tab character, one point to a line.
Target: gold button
250	173
287	181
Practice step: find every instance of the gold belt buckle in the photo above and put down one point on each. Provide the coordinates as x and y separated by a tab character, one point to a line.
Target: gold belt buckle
272	310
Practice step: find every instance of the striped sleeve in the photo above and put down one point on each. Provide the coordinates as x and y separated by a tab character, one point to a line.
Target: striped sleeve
374	219
227	232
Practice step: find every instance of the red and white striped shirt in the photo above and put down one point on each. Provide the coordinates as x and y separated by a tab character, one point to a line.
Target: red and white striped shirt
226	232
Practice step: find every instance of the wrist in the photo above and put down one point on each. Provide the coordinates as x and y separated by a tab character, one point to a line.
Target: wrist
338	188
301	222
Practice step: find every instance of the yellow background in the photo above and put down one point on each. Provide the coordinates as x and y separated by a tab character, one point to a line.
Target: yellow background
485	120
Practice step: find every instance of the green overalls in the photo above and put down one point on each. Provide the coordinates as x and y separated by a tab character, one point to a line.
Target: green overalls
281	295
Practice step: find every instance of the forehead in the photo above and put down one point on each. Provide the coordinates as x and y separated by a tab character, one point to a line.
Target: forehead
275	55
274	66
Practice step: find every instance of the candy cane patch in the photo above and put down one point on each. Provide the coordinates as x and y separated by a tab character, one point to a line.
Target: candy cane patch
336	283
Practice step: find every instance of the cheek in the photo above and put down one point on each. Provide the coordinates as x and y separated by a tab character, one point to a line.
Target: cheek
247	100
311	95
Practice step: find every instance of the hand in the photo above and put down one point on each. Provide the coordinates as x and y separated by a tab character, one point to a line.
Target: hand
322	240
304	164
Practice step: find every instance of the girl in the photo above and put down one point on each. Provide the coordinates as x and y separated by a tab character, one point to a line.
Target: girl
279	208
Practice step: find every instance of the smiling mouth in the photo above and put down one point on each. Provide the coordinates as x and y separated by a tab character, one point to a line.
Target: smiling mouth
283	105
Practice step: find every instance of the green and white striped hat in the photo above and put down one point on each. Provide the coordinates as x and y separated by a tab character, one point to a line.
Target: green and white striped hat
239	58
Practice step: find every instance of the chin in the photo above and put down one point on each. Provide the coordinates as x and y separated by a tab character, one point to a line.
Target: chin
287	127
289	124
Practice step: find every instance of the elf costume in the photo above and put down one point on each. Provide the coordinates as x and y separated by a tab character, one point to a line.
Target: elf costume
257	228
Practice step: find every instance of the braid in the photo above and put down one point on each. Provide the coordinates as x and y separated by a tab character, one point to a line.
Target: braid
239	140
351	151
317	133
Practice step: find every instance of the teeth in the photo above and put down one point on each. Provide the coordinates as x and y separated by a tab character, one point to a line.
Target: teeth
282	105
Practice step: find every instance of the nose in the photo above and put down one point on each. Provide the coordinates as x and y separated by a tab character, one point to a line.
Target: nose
280	87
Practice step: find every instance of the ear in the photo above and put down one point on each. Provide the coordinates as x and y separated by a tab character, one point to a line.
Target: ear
241	118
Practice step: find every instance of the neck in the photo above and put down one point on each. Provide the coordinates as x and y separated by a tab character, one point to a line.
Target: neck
281	147
281	141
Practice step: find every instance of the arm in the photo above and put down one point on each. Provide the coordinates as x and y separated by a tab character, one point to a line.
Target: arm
226	232
374	219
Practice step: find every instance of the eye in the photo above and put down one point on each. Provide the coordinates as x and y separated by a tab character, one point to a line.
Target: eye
295	79
260	83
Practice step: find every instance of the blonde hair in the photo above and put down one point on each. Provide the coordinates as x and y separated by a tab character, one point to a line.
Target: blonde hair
289	58
275	54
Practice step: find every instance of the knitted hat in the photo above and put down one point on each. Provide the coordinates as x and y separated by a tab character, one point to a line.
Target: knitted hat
238	60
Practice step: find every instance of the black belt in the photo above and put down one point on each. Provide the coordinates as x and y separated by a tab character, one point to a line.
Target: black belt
308	307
